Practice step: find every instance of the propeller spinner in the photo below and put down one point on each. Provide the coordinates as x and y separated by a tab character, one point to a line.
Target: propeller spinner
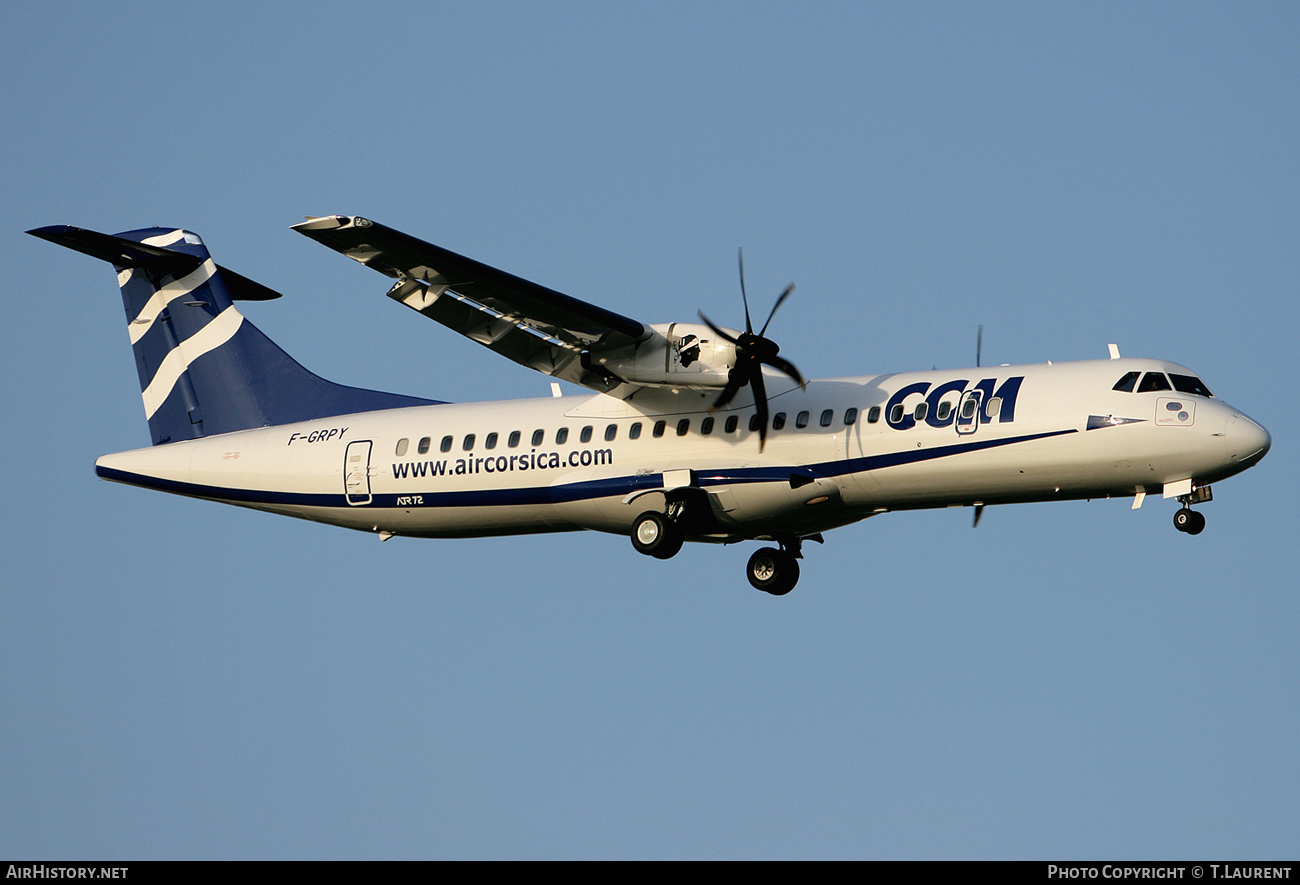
753	351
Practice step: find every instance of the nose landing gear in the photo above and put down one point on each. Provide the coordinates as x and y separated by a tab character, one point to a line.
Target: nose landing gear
1189	521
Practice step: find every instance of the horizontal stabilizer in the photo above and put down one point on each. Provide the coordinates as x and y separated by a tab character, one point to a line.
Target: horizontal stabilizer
123	253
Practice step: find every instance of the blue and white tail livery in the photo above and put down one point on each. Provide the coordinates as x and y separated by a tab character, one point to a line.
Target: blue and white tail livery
204	369
691	431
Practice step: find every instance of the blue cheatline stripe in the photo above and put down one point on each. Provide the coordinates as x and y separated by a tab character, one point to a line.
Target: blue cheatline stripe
222	493
567	492
911	456
844	467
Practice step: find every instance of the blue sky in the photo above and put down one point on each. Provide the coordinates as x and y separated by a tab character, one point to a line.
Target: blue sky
182	679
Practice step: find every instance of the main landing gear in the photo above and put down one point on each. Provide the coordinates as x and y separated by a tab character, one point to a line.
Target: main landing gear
771	569
774	571
655	534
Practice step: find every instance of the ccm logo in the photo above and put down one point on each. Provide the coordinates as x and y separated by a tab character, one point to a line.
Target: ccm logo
901	415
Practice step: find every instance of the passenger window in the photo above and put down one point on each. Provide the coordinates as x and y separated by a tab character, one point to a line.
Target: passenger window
754	422
827	417
1125	384
423	447
1153	381
634	432
706	426
922	409
896	413
1189	384
942	411
490	442
801	420
850	417
968	408
730	426
778	421
401	446
539	437
610	432
873	414
513	439
468	445
683	426
445	445
561	436
994	406
659	428
585	435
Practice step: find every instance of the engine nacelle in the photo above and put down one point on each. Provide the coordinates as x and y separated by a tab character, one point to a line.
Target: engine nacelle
674	355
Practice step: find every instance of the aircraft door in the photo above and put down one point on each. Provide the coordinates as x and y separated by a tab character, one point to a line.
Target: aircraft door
968	412
356	473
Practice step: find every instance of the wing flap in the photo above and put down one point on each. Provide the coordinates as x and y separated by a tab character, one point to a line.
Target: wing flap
520	342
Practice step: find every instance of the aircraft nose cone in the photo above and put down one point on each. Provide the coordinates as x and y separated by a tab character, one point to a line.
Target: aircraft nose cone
1247	441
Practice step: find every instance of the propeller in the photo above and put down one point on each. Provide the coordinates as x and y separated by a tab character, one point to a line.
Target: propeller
753	351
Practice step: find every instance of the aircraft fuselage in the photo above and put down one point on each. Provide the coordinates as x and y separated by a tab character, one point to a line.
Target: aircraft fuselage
839	451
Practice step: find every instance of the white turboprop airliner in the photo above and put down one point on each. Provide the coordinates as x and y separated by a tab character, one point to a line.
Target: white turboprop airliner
693	432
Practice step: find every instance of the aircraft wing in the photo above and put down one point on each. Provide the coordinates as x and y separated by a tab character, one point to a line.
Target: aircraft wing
523	321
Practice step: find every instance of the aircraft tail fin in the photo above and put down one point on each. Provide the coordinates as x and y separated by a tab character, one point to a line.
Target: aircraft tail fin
204	369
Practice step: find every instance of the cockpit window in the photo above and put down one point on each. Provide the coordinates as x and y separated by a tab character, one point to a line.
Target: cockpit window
1126	383
1189	384
1153	381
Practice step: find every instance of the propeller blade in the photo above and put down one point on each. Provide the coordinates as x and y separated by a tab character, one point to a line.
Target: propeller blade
752	353
779	301
740	259
760	403
781	364
979	511
979	344
708	322
735	381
